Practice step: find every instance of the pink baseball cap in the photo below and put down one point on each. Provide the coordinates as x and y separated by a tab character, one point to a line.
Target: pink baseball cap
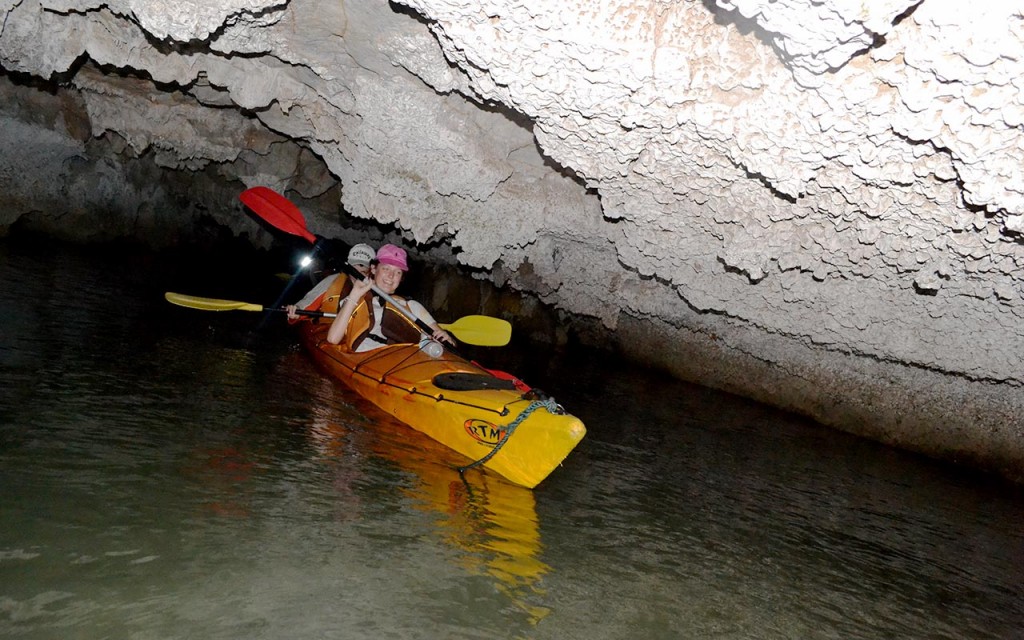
395	256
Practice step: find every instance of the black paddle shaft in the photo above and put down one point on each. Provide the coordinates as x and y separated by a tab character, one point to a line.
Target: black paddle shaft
291	282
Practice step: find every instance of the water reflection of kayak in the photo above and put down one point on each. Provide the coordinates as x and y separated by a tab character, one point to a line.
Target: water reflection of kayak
491	523
520	435
495	525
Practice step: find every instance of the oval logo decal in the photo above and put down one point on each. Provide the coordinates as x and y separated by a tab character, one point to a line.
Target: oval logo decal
485	432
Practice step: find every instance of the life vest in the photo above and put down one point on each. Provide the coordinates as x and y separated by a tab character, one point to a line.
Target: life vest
331	300
395	326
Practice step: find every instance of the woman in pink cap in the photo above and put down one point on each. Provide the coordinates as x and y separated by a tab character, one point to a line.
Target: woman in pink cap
365	321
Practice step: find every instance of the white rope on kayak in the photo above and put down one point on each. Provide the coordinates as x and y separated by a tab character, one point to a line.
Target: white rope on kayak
548	404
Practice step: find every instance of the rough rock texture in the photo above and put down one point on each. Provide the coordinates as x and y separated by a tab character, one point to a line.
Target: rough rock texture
817	203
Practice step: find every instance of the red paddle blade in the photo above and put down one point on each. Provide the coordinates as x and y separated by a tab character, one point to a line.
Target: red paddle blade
277	211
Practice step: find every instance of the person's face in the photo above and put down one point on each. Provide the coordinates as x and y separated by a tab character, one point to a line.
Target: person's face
387	277
362	268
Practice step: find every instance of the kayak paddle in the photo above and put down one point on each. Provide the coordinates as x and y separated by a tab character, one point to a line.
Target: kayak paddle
483	331
213	304
265	199
277	210
283	214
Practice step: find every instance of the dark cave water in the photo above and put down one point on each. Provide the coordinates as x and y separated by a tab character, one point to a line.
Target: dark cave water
171	473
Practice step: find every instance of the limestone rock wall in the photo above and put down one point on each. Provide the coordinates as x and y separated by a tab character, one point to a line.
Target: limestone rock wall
820	189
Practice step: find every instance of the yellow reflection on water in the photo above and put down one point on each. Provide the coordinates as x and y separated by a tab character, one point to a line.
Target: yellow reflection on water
495	524
491	522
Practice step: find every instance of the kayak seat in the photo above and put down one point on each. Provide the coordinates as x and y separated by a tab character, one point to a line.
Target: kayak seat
471	382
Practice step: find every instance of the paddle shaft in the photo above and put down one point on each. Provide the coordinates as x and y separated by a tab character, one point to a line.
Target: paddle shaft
295	276
306	312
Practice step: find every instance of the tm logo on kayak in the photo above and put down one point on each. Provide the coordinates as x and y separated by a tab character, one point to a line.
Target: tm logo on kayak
485	432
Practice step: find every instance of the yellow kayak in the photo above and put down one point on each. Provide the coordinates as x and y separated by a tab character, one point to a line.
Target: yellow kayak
518	434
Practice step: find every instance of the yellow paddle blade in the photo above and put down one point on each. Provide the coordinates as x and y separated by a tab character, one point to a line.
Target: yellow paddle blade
210	304
483	331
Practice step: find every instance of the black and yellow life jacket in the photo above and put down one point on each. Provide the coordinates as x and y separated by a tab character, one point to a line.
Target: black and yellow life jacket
336	294
395	326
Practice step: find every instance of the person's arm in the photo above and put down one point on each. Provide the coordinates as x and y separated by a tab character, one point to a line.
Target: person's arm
340	325
311	297
421	312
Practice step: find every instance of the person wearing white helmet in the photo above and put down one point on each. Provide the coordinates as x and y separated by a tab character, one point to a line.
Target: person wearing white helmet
360	256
